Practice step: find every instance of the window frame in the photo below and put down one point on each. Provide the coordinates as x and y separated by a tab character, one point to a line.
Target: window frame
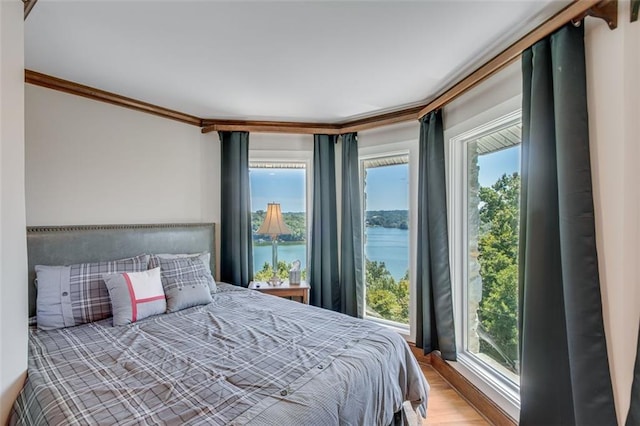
490	381
292	157
410	149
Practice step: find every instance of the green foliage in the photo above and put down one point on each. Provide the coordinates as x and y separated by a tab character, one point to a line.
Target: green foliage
498	258
386	298
296	221
388	218
283	271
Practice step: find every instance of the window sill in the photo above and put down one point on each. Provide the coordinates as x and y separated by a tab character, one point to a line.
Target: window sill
504	396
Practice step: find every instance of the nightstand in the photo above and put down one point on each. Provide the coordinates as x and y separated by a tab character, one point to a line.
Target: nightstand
283	290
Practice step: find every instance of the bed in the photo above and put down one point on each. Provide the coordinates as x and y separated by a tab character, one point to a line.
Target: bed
243	358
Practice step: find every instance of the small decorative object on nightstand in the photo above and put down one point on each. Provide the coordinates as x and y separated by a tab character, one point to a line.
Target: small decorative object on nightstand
283	290
295	273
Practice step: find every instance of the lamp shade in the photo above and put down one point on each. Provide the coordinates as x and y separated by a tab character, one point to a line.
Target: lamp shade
273	223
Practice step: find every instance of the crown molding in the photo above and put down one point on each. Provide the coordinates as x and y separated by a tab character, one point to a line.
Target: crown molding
44	80
379	120
577	10
212	125
28	6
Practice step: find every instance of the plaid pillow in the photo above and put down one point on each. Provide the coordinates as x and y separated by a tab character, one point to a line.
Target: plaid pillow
205	257
202	257
76	294
186	282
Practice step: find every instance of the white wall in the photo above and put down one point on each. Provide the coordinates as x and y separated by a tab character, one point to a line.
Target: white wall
613	89
280	142
13	252
89	162
389	134
497	89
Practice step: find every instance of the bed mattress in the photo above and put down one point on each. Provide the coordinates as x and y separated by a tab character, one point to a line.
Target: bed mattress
246	358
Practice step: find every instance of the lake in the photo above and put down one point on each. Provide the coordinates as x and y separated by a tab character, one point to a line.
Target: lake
388	245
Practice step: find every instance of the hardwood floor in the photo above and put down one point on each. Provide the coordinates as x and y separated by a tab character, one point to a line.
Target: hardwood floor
446	406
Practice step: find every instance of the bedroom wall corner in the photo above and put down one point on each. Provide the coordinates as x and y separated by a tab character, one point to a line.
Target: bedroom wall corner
13	252
613	95
210	188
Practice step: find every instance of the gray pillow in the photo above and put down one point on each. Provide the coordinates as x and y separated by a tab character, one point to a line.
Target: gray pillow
76	294
135	295
205	258
186	282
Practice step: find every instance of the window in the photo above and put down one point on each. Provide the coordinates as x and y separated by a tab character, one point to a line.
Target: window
487	202
283	183
386	239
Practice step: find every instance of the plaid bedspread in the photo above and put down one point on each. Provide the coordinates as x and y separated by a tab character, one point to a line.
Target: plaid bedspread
246	358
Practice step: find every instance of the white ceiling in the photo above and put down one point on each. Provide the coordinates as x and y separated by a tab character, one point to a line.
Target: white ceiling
324	61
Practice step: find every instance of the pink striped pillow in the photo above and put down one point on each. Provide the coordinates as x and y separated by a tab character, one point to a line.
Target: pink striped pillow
135	295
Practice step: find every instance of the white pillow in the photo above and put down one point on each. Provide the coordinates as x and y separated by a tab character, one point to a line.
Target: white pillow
135	295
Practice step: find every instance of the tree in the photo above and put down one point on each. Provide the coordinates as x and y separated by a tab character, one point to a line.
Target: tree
386	298
388	218
266	272
498	258
378	276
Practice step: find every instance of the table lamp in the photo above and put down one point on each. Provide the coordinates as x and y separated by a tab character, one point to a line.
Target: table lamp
274	225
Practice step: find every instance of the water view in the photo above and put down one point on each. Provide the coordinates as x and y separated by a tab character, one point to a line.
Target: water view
388	245
288	253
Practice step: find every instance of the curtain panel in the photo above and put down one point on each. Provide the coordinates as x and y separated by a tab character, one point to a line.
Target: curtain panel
633	417
564	366
351	263
323	268
435	327
236	251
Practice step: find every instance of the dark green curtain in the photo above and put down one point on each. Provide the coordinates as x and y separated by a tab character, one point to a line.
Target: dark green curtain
323	269
351	276
564	367
435	329
633	418
236	253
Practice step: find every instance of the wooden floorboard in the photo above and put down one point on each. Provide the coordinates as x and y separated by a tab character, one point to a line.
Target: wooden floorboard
446	406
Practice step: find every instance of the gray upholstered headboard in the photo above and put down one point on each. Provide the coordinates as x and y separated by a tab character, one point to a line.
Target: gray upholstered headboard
66	245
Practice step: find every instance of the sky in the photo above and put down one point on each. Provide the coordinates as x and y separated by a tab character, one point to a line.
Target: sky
386	187
495	164
284	186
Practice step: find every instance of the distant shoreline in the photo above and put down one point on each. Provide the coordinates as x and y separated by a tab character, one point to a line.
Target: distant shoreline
297	242
387	219
280	243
